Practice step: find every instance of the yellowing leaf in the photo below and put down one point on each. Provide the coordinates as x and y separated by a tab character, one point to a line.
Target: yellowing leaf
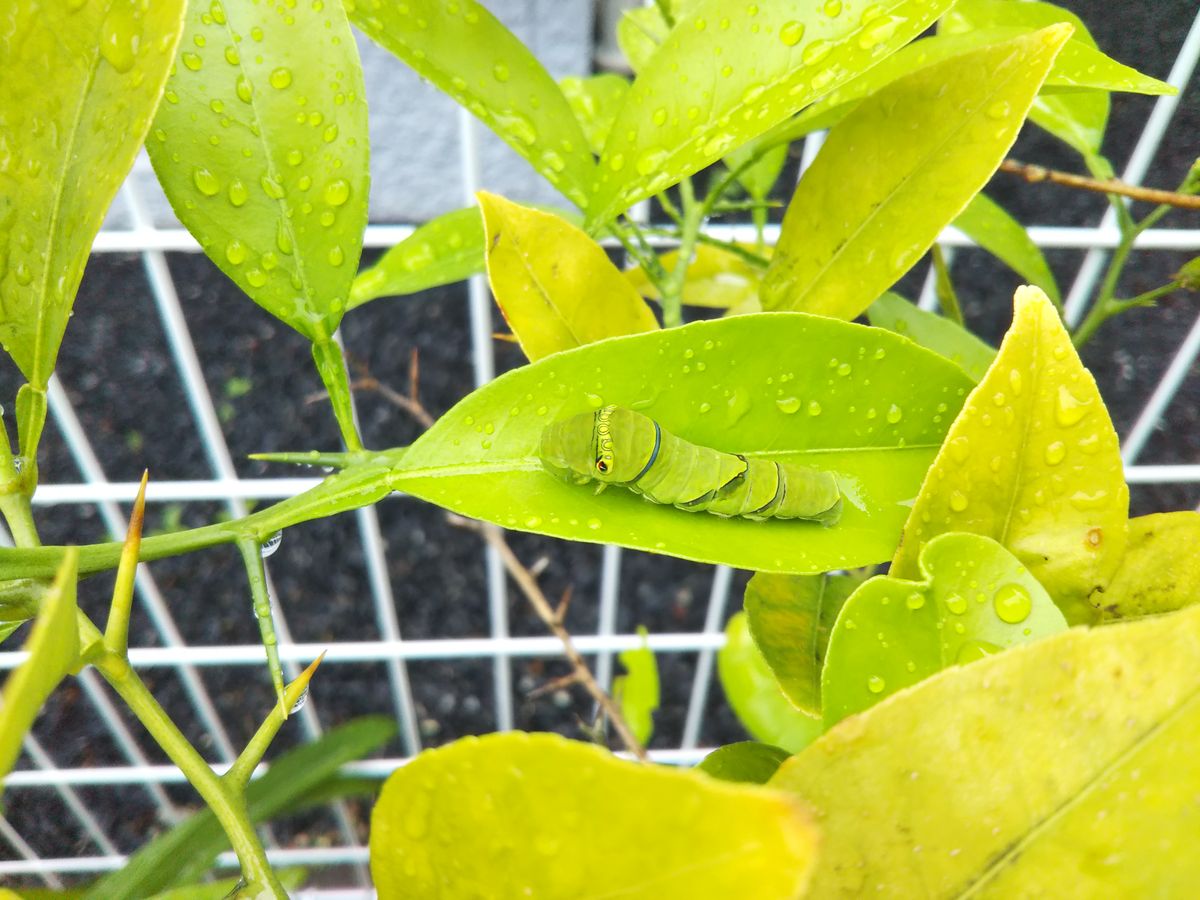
1063	768
1033	462
556	286
1161	568
715	278
535	815
916	153
53	648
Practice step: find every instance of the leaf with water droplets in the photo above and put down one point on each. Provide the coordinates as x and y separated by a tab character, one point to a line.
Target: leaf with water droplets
754	693
717	384
937	333
916	152
53	649
444	250
595	101
1033	462
716	278
1065	766
78	92
556	286
637	690
466	52
261	147
974	600
790	617
536	815
640	32
1160	571
990	226
728	73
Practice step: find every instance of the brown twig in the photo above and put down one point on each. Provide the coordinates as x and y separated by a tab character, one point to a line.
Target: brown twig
1036	174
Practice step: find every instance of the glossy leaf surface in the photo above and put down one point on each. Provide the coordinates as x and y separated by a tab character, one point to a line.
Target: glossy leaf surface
1032	462
556	286
637	690
990	226
715	278
640	32
861	402
726	74
790	618
975	599
53	648
754	693
1160	571
468	54
1066	762
917	152
261	147
746	761
595	101
80	85
937	333
535	814
444	250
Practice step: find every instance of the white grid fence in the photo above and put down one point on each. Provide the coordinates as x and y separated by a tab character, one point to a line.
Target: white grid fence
18	858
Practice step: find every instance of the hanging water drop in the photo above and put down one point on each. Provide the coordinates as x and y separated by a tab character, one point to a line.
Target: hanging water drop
271	544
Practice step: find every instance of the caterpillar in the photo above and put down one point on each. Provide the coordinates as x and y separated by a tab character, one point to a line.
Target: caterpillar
617	446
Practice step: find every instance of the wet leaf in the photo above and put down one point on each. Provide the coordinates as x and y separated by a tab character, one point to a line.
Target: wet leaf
746	761
78	93
595	101
261	147
725	75
640	32
755	696
444	250
1033	462
991	227
556	286
790	617
974	600
917	152
1160	571
468	54
1066	762
53	648
716	278
637	690
861	402
759	176
937	333
535	814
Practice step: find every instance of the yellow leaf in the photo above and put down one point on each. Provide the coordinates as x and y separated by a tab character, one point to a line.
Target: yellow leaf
556	286
1032	461
716	279
1161	568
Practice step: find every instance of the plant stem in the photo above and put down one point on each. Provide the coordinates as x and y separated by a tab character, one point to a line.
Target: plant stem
748	256
332	369
947	296
664	9
1036	174
671	290
648	261
18	513
1101	312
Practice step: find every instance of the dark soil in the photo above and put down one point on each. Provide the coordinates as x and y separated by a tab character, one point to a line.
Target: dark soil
119	372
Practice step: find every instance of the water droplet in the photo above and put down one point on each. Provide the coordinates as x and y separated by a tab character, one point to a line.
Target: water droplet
651	161
1055	453
660	116
998	110
1069	409
875	684
271	544
192	61
617	162
815	52
337	255
500	72
814	408
272	189
593	524
256	277
231	56
894	414
956	603
337	192
1082	500
300	701
970	651
329	135
915	600
283	238
833	8
791	33
958	501
206	182
235	252
788	405
245	90
594	400
533	521
281	78
120	37
1012	604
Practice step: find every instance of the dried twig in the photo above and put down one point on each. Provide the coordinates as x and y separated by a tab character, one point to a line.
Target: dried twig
1035	174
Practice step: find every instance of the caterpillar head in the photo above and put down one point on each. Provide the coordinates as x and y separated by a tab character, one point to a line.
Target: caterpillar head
601	446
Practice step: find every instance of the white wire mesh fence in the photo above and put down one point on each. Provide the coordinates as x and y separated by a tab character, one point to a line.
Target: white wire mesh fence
78	789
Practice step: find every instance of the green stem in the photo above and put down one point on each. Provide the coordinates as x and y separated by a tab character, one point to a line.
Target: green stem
31	419
947	296
332	369
664	9
671	290
18	513
1102	312
648	261
749	256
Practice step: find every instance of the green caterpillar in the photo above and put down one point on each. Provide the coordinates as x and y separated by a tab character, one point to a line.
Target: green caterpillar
618	446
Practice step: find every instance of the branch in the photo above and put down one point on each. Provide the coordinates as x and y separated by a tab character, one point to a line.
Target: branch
1037	174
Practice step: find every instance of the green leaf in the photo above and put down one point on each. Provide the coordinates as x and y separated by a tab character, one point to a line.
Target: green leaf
637	691
1160	570
937	333
755	695
715	278
858	401
790	617
640	32
1078	119
725	75
444	250
916	152
595	101
746	761
53	648
991	227
262	150
185	853
975	599
1033	462
537	815
468	54
1068	764
556	286
78	92
759	176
